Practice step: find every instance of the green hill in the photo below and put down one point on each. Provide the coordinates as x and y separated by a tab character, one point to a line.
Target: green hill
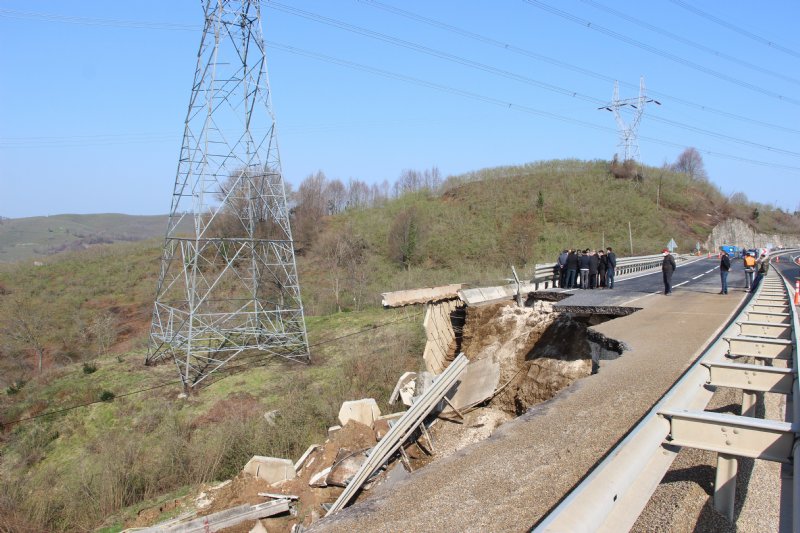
102	436
38	237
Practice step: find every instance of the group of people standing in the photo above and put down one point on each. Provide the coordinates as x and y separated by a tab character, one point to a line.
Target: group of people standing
752	266
585	269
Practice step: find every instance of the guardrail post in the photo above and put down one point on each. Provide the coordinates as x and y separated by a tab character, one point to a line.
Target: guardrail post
748	403
725	484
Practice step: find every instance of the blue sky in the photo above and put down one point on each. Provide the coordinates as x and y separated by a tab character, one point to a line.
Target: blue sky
93	95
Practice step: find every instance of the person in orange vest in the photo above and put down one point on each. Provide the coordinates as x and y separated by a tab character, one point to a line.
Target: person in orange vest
749	270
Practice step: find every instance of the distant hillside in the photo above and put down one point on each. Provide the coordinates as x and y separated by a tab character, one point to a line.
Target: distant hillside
37	237
474	226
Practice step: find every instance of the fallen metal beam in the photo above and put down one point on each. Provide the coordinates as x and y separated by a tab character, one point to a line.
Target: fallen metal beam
741	436
751	377
224	519
401	430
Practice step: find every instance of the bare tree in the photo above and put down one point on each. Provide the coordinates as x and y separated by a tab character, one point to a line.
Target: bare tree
104	330
691	162
344	254
312	206
336	195
738	198
27	328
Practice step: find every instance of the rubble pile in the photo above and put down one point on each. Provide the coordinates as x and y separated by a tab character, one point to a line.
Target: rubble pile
516	357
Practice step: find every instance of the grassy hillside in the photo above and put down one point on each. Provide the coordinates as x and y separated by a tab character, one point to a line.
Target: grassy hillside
88	312
38	237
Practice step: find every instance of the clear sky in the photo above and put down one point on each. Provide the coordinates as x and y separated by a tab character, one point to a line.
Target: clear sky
93	94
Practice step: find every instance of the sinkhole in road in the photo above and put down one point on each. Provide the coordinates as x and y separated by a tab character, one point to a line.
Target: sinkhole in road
541	350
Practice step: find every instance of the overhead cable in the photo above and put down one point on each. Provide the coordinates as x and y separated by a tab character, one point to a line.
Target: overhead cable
689	42
657	51
737	29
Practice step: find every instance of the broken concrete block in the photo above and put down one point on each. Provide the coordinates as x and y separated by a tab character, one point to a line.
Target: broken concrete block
404	390
303	458
270	469
345	467
477	383
318	479
364	411
333	429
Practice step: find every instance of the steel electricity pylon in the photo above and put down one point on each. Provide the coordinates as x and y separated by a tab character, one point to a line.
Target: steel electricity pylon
628	132
228	282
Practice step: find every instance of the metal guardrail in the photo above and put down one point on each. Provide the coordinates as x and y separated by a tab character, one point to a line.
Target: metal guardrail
543	273
613	495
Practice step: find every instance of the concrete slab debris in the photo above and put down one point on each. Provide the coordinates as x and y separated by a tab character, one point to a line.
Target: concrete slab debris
478	382
365	411
333	429
318	479
404	390
277	496
270	469
303	458
484	295
345	467
420	296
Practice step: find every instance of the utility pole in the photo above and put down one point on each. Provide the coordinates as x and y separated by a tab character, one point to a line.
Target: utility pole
630	236
228	280
628	132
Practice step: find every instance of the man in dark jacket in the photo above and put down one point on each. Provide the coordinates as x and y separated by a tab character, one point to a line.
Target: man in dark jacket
724	268
612	267
594	267
572	269
583	265
667	268
562	268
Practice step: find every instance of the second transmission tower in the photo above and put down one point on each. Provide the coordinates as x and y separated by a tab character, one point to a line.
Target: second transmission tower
628	132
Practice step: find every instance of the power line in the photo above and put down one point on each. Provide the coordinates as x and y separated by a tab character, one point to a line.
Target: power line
87	21
735	28
486	68
503	103
568	66
25	142
689	42
657	51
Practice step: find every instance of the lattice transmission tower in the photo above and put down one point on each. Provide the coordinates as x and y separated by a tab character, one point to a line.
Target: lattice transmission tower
628	132
228	281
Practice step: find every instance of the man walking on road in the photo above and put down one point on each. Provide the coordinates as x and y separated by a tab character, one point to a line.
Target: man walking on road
668	266
724	268
612	266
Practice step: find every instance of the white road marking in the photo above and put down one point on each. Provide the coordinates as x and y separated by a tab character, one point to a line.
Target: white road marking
682	283
700	276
